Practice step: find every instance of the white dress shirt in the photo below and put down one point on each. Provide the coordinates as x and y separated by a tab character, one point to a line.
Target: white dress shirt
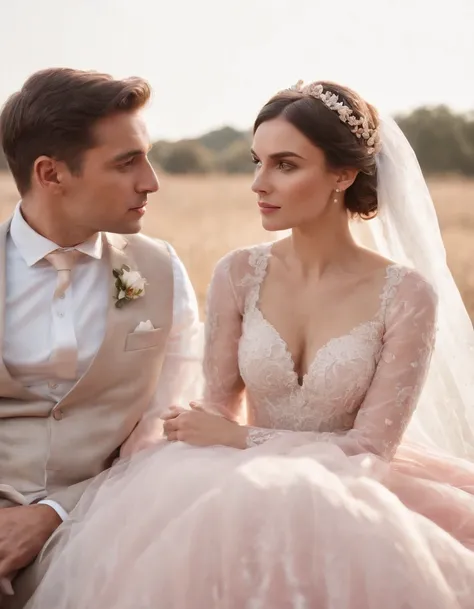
36	323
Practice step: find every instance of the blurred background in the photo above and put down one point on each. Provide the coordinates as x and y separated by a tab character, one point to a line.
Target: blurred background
213	64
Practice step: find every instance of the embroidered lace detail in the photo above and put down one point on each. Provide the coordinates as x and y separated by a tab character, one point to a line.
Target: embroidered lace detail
360	389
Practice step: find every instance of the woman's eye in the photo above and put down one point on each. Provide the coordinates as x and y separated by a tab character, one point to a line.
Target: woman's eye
285	166
255	161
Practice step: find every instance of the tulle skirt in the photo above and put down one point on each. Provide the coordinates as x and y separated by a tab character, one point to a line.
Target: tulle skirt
287	524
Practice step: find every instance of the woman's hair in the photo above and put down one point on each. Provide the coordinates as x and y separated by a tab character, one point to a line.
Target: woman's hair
322	124
54	114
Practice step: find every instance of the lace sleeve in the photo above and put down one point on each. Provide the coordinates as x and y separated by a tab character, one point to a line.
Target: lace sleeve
224	388
401	372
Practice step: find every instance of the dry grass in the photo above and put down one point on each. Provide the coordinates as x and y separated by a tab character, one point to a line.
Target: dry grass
205	217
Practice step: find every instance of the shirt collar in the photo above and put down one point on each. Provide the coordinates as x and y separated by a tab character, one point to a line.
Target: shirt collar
33	247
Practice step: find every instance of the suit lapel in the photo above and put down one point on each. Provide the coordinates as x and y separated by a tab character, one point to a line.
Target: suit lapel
118	320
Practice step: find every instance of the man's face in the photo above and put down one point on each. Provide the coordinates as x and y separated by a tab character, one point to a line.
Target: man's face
110	192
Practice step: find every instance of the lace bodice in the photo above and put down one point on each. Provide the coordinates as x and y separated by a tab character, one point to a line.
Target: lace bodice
360	389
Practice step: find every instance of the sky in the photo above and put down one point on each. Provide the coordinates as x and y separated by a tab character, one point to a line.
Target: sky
215	62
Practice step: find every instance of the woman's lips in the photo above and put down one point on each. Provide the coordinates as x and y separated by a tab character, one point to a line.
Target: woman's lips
267	208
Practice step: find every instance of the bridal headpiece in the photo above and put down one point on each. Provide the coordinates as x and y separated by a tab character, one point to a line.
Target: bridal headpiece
359	126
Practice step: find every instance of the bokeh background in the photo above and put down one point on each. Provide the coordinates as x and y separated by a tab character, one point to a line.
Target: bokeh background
212	64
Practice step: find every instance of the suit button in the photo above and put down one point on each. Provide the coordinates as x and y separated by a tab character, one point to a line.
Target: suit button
58	414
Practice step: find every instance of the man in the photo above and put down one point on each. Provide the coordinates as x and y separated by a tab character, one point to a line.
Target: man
96	320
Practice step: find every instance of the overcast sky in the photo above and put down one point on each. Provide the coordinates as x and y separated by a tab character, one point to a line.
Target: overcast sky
215	62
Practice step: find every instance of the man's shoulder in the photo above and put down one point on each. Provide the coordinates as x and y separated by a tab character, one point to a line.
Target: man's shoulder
145	241
151	244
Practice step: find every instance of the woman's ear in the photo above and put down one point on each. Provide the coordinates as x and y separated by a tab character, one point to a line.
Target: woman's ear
345	178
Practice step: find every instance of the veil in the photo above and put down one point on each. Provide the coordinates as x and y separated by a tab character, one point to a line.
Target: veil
406	230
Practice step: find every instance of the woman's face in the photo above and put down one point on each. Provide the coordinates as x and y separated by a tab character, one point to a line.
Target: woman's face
293	183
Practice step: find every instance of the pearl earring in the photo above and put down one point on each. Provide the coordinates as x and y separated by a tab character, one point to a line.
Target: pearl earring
336	199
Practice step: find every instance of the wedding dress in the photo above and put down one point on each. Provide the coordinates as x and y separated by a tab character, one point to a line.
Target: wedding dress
307	517
357	488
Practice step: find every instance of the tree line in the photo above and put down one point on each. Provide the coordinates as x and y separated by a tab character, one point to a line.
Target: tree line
442	139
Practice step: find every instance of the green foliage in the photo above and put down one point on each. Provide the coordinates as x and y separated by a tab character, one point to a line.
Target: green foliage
442	139
236	158
187	157
222	139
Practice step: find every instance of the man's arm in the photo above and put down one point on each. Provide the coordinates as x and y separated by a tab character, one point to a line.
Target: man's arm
60	511
181	374
65	499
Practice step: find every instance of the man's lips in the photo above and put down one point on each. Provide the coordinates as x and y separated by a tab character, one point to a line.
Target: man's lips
140	208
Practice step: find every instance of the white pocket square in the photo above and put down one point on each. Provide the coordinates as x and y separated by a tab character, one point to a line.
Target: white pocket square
144	326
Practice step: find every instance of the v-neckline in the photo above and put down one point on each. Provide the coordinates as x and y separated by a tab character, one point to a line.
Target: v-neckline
300	379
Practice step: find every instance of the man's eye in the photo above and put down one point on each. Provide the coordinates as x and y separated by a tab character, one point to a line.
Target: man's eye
127	164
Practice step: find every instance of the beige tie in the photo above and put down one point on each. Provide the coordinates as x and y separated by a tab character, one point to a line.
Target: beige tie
63	262
64	356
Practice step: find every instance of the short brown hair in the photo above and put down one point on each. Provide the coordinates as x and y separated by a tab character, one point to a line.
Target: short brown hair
54	112
325	130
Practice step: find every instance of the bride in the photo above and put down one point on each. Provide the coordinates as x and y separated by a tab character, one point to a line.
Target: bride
328	464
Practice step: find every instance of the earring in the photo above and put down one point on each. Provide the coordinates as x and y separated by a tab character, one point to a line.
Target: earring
336	199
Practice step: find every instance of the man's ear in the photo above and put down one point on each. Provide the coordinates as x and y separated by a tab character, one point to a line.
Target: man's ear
49	174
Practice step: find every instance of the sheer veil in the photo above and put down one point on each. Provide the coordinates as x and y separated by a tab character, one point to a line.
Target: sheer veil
407	231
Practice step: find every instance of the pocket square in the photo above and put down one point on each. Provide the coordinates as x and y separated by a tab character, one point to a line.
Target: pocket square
144	326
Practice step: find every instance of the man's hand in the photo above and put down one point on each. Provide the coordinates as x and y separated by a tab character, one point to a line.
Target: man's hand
23	532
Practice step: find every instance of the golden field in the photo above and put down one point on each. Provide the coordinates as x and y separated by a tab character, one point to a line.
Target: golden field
204	217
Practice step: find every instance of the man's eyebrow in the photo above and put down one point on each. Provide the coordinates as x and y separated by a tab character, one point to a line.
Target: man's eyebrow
130	154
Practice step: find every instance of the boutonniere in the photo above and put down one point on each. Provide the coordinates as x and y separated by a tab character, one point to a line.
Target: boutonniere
129	284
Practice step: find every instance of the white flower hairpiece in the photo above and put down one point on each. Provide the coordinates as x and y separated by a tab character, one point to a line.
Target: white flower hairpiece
359	126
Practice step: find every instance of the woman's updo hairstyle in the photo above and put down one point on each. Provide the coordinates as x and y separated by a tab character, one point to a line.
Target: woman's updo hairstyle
344	126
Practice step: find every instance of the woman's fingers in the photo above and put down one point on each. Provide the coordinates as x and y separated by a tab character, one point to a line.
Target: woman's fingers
172	412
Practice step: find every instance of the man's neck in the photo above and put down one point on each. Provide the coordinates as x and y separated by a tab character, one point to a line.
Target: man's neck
47	224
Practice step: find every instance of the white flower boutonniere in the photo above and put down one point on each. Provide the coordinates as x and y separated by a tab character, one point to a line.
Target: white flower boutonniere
130	285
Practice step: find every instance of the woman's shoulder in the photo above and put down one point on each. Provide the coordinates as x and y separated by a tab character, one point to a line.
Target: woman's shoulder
400	276
239	262
408	288
402	285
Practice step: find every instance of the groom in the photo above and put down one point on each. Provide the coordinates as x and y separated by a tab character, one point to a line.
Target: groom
96	320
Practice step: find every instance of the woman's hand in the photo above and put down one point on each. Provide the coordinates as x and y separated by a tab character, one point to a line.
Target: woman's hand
201	428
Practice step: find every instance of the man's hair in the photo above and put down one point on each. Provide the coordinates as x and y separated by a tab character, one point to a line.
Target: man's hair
54	114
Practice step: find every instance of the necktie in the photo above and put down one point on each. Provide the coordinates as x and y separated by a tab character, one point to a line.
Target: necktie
64	355
63	262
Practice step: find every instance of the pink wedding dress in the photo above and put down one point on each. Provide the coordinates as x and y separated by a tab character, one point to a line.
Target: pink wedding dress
327	509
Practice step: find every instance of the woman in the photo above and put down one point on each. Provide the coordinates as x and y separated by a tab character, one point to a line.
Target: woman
293	484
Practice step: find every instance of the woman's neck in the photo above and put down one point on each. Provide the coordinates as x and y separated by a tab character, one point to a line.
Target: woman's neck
323	247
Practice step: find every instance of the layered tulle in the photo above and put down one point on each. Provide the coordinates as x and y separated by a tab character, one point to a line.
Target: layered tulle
286	524
327	508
